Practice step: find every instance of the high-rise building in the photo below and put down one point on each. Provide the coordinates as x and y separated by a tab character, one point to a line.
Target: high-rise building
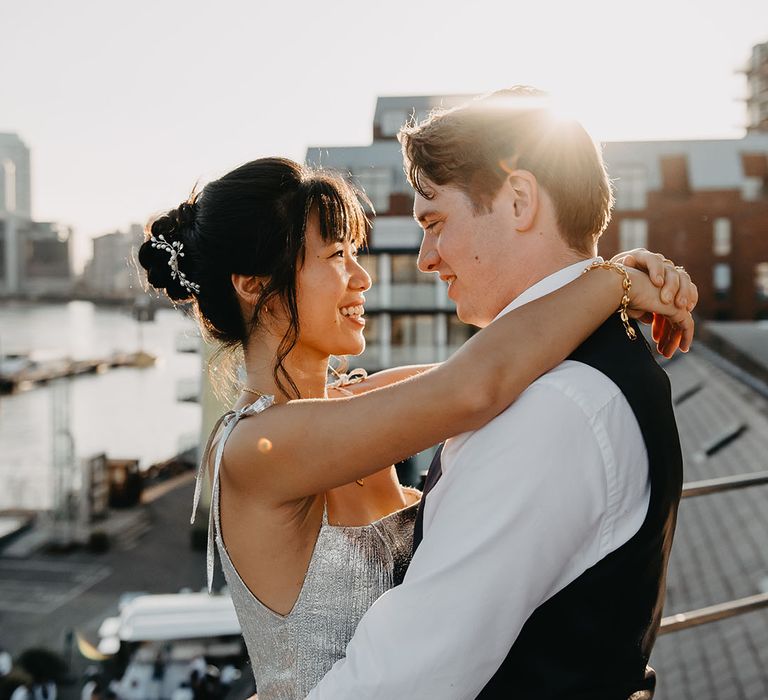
757	88
15	178
34	256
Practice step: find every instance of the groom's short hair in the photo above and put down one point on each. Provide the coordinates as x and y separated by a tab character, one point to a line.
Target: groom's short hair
474	147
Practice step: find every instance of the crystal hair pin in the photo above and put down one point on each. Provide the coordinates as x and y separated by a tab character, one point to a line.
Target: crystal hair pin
175	250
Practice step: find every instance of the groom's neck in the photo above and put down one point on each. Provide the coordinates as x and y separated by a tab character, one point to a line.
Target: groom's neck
545	264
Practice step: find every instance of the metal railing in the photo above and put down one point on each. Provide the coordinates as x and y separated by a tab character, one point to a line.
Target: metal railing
724	483
721	611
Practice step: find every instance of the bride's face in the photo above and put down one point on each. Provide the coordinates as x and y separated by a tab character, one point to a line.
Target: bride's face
329	295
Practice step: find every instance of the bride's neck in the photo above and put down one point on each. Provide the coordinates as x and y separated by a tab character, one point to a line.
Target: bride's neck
306	368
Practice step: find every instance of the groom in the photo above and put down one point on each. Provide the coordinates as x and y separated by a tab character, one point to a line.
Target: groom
543	540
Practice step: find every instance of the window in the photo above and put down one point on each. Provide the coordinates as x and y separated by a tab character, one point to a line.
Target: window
392	120
761	281
458	332
633	233
377	184
372	330
631	186
404	271
370	263
751	188
721	279
721	243
413	331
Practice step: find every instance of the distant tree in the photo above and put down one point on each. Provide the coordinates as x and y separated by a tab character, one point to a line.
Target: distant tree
43	665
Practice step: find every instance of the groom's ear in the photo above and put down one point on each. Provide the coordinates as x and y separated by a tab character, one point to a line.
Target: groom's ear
523	189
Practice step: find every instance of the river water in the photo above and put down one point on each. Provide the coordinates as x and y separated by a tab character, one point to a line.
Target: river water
125	413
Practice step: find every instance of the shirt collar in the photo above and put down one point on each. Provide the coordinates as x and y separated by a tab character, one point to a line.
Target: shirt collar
549	284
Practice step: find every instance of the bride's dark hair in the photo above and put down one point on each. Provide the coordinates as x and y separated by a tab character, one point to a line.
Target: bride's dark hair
251	221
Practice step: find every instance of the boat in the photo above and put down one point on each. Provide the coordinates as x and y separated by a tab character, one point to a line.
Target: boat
160	640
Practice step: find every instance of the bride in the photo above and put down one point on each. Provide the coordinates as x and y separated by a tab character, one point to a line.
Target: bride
310	522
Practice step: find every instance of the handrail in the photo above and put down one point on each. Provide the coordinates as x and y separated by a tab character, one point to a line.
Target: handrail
724	483
721	611
713	613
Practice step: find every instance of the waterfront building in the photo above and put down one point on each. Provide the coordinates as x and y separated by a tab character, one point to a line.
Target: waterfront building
112	271
409	318
35	257
15	177
15	204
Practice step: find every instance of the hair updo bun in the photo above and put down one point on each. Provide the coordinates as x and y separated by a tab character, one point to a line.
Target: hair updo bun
252	221
165	268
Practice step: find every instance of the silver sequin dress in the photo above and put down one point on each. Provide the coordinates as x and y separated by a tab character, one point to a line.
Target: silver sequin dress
349	569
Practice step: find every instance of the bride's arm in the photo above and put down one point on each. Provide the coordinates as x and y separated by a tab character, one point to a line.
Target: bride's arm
304	447
673	284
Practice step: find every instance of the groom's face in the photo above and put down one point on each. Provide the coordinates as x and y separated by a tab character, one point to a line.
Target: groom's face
474	253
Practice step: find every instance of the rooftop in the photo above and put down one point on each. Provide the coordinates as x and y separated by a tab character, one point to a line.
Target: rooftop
720	551
713	163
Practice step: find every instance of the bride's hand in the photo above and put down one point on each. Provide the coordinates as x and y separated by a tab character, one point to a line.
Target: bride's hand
672	325
672	280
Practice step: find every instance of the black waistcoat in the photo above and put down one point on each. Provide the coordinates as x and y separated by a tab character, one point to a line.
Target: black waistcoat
592	640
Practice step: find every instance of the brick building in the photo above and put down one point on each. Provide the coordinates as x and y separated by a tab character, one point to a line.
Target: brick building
705	205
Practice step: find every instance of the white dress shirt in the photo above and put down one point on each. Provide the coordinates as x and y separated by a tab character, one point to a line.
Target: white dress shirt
525	505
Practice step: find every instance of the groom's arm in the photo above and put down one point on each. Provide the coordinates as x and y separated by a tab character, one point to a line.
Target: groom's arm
520	514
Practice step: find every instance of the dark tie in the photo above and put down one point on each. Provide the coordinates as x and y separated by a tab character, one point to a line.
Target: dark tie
433	476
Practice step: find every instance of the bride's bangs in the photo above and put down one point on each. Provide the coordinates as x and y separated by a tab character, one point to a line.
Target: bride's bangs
340	209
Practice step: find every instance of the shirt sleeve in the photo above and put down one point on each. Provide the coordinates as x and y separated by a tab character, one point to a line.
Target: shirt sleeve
519	515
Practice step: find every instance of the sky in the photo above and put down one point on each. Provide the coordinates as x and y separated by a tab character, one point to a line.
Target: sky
126	105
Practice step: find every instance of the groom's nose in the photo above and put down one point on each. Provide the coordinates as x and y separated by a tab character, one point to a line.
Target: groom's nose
428	257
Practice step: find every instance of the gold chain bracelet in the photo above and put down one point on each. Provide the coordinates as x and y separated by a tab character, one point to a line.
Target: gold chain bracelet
627	285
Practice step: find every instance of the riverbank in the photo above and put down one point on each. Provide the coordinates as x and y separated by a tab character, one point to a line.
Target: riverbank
125	413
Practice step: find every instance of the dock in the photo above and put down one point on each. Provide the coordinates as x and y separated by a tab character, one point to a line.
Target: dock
20	373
